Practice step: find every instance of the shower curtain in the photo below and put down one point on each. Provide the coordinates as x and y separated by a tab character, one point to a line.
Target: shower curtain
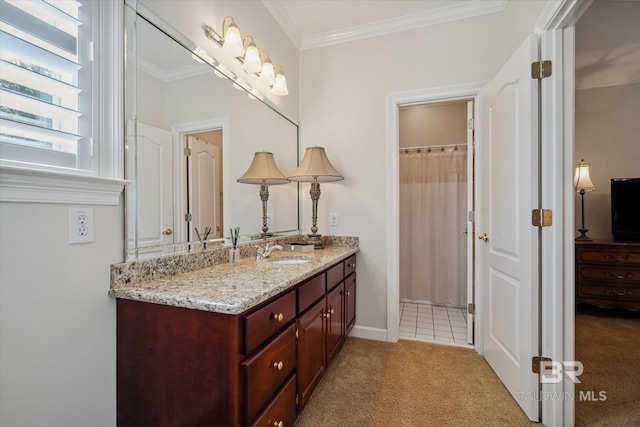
433	210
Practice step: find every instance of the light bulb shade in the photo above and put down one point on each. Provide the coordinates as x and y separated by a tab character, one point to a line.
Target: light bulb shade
582	180
252	62
315	167
233	42
267	75
263	170
280	86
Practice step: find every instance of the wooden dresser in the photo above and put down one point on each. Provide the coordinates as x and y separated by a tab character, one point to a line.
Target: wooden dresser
608	274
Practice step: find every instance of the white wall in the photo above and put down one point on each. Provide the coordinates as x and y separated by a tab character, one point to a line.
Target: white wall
520	17
343	107
57	324
607	129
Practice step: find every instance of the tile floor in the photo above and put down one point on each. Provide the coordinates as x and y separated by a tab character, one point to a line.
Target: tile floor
433	323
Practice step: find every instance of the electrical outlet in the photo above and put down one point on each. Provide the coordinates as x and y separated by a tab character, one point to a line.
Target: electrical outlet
80	225
269	219
333	219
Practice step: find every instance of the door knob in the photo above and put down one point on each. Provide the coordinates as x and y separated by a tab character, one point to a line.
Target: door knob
168	231
484	237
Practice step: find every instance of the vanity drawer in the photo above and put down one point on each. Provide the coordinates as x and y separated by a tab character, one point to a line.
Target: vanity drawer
266	321
335	275
281	409
266	370
310	291
349	265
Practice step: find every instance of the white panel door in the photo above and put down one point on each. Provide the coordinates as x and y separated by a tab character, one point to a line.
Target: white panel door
508	192
204	188
154	198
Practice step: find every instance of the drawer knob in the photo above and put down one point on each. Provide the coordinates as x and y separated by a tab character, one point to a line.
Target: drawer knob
331	311
348	293
625	257
277	317
278	365
352	265
618	276
619	293
278	424
327	315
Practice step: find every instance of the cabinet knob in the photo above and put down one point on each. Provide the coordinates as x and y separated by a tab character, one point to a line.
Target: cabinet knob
278	365
348	293
168	232
278	424
352	265
484	237
277	317
327	315
331	311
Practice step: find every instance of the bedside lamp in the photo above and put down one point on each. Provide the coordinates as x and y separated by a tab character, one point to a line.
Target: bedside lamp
315	168
582	183
263	172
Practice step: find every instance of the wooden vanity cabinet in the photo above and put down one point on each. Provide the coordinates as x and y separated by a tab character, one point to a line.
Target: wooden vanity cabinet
186	367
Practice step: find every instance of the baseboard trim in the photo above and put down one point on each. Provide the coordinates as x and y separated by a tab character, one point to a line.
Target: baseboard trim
366	332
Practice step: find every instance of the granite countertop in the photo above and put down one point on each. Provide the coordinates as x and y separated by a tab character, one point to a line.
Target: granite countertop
224	288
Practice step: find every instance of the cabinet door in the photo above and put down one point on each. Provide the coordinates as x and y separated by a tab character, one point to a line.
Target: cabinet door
349	303
335	321
311	350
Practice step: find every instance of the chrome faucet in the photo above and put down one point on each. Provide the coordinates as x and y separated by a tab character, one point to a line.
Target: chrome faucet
264	253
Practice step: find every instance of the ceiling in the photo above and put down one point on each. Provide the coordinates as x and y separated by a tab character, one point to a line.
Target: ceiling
607	35
315	23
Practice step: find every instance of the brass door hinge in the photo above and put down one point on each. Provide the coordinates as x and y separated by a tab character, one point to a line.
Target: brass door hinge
542	217
187	151
540	70
536	361
188	217
471	308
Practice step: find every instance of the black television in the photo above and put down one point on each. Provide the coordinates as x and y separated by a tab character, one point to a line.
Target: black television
625	209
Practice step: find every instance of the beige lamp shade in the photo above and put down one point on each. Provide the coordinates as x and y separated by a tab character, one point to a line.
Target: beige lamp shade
315	166
263	170
582	180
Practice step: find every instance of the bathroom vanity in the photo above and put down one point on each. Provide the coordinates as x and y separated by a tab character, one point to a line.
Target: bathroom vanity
230	345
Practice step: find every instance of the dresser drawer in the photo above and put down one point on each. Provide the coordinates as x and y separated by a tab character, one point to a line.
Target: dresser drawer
349	265
265	372
335	275
609	274
268	320
282	409
617	292
609	255
310	291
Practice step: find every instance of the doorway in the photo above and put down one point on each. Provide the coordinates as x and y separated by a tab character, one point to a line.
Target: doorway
436	187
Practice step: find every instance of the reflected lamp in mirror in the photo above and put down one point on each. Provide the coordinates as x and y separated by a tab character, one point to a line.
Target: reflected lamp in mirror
315	168
263	172
583	184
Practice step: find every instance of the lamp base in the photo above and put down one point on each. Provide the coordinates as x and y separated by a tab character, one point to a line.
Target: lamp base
315	240
583	235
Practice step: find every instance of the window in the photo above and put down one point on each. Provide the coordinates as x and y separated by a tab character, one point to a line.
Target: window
57	114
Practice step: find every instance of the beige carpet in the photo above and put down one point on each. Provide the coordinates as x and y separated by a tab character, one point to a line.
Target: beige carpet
608	344
372	383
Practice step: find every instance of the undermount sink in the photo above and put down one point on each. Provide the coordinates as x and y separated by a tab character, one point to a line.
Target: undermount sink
288	260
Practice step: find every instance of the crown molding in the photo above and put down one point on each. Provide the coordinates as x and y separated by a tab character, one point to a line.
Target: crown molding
173	74
404	23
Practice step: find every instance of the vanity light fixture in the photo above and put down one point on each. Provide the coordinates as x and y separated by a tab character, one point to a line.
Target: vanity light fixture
582	183
315	168
251	63
280	86
251	59
264	172
267	74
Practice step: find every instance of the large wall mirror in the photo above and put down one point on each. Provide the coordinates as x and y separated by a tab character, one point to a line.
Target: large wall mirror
190	135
